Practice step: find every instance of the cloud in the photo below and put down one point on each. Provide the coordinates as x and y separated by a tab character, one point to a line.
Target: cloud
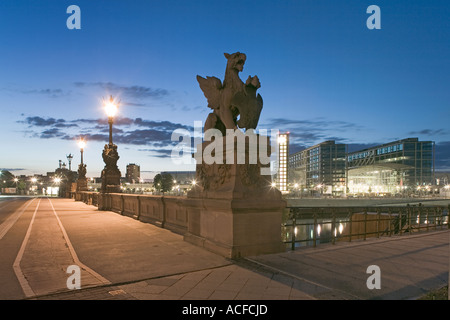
53	93
138	132
158	153
429	132
315	124
52	133
42	122
12	169
309	132
133	92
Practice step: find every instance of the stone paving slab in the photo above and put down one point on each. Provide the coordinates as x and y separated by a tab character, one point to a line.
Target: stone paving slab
410	266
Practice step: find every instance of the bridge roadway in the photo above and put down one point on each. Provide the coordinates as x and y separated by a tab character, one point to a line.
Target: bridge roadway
124	259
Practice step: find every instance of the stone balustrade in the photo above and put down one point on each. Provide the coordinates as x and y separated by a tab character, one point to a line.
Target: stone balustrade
167	212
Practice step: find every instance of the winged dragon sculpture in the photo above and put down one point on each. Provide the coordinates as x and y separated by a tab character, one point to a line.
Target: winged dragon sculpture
234	103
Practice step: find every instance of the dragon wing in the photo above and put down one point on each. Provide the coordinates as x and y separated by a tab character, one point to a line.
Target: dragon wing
211	87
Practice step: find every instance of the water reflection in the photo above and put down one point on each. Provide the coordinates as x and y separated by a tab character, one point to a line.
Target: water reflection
326	228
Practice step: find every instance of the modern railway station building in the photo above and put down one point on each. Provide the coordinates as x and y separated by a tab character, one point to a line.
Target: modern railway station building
399	167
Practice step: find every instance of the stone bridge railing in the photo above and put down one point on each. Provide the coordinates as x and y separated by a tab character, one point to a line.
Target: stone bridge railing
167	212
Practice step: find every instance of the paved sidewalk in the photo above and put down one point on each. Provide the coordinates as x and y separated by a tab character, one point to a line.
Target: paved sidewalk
410	266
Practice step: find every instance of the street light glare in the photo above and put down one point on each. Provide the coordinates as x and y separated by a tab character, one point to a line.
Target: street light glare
111	108
81	143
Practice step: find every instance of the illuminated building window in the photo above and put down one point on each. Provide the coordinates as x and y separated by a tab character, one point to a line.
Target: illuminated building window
283	147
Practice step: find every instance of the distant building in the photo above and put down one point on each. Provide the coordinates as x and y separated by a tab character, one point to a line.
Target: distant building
133	174
320	168
283	154
395	167
182	177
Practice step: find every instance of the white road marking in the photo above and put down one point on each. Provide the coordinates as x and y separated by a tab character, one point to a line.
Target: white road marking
11	220
16	266
74	254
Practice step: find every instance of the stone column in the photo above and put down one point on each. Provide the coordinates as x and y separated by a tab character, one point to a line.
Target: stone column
111	173
233	210
110	176
82	180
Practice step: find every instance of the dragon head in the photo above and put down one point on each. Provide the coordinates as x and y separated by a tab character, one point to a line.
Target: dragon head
236	60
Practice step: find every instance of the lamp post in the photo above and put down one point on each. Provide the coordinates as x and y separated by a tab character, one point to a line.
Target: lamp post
111	173
111	108
82	180
82	145
69	159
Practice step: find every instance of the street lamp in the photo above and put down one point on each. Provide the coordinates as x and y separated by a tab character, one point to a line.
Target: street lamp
111	173
82	145
69	159
111	108
82	181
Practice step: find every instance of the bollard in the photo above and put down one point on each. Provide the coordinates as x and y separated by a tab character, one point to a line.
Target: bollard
293	233
333	227
315	230
351	225
365	224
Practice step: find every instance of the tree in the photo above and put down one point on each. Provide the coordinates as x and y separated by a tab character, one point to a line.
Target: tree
163	182
6	179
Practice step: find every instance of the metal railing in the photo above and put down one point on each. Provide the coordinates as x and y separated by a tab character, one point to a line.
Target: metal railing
311	226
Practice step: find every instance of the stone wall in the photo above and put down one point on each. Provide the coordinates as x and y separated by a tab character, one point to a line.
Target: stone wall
167	212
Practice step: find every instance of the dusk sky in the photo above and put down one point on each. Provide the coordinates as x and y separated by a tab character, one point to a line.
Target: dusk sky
324	75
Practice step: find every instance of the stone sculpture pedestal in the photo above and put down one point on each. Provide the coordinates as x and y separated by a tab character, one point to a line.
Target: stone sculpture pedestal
82	184
111	173
82	180
233	210
110	176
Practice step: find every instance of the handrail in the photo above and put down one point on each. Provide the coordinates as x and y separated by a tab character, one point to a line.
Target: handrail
359	222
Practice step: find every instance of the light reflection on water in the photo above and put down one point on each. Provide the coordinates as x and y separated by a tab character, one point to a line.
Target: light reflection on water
326	232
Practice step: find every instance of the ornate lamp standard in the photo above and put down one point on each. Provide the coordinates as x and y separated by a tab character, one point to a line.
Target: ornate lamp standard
82	180
111	173
69	159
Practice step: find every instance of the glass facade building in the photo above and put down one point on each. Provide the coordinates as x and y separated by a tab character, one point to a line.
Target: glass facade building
396	167
320	168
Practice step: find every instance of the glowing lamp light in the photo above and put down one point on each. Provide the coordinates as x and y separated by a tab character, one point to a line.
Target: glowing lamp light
111	109
82	143
57	180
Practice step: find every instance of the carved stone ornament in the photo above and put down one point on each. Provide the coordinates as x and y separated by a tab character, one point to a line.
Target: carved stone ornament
110	156
81	171
232	98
